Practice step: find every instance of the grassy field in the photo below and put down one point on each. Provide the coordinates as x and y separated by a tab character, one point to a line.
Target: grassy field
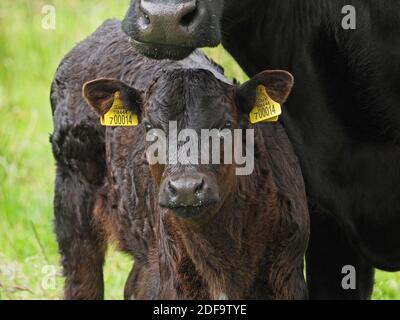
29	55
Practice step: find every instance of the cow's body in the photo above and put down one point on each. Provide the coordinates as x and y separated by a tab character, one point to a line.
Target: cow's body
343	119
104	190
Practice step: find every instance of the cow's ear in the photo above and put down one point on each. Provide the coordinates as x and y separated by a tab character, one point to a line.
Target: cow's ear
278	84
100	95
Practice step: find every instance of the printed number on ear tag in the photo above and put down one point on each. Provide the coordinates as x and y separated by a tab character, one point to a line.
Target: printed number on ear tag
118	115
265	109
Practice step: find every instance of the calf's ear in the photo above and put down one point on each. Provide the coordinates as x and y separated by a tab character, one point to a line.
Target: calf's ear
100	94
278	84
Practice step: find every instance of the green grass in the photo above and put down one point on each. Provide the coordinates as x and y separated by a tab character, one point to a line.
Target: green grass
29	55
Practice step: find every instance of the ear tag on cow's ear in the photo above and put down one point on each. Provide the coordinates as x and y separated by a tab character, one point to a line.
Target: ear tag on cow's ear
118	115
265	109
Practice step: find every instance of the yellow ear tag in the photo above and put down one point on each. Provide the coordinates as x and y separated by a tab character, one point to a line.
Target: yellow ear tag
118	115
265	109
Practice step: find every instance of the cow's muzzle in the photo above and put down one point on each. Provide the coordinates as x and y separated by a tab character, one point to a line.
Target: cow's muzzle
170	30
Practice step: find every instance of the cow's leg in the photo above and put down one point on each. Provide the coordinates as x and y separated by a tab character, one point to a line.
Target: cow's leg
328	252
81	244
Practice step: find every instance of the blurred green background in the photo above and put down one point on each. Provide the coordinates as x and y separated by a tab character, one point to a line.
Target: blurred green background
29	56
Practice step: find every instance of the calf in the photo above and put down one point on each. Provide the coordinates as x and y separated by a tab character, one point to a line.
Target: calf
196	231
343	116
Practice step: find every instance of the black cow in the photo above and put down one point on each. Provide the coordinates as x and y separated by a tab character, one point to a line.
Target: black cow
343	116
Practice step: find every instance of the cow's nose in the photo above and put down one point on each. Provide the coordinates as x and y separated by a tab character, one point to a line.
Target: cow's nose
186	192
168	23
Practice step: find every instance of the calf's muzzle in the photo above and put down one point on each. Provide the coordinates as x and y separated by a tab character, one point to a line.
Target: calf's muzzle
188	195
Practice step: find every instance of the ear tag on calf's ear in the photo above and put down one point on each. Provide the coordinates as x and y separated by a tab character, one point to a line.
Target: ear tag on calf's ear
118	115
265	109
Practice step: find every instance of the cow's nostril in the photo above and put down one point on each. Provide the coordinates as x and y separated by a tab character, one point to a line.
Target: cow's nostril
189	17
144	14
146	18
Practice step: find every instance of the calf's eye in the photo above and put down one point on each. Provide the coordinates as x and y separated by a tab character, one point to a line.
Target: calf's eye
228	125
147	126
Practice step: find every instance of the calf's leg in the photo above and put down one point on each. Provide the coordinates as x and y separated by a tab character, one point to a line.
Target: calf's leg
80	155
132	283
82	245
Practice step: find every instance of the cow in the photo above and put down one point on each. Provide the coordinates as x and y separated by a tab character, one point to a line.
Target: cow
195	230
343	116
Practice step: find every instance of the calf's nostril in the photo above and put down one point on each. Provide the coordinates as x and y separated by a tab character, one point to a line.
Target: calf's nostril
146	18
200	186
172	189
